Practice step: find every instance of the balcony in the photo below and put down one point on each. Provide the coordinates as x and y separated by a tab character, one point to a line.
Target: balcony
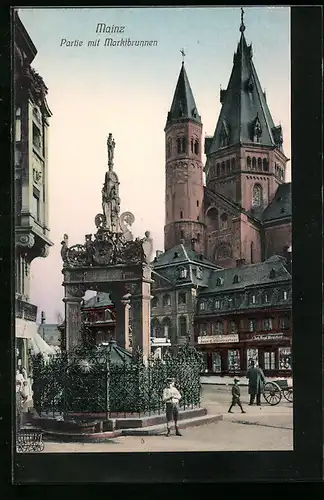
25	310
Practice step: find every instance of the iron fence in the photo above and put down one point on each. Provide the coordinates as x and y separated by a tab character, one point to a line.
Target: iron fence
88	381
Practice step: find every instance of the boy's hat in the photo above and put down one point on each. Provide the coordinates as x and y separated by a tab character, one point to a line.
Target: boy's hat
170	379
236	379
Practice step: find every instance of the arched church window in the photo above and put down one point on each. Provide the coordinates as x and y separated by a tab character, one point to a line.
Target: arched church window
181	145
259	164
257	196
252	252
248	162
265	165
196	147
254	163
192	145
233	164
223	168
212	218
166	300
178	146
169	147
182	326
218	170
223	221
228	166
181	214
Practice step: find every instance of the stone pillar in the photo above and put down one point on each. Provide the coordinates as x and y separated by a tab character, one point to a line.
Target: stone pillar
141	318
127	306
72	300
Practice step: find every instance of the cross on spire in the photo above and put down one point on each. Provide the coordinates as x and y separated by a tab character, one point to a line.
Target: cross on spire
183	55
242	27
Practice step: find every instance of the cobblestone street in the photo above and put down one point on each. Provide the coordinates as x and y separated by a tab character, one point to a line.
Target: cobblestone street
260	428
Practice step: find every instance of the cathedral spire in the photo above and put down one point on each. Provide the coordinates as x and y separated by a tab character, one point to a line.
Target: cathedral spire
183	105
245	116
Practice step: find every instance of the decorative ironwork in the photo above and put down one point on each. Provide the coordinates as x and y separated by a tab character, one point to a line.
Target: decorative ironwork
29	440
89	380
113	242
25	310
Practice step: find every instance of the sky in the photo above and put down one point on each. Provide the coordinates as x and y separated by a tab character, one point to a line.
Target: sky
95	90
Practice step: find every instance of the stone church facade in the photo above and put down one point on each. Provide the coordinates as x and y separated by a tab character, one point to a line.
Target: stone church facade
224	278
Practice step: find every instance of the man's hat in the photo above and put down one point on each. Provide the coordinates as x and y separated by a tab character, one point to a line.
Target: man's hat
170	379
236	379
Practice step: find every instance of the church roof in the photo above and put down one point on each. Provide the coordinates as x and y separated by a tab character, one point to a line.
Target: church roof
183	106
244	106
281	204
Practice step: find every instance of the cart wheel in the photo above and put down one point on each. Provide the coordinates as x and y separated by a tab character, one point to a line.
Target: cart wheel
288	395
272	393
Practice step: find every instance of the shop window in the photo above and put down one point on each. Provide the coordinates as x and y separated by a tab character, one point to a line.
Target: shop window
216	362
233	360
183	326
267	324
284	322
182	298
269	361
284	358
166	300
252	355
252	325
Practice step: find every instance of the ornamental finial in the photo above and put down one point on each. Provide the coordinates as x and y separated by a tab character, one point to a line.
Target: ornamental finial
111	148
242	27
183	55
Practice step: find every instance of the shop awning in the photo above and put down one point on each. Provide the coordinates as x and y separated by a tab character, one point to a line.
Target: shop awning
25	329
39	346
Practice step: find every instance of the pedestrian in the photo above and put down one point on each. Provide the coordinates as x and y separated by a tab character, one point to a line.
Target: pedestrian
236	396
256	383
171	396
21	396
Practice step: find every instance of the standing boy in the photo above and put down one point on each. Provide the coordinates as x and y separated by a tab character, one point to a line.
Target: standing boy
236	393
171	396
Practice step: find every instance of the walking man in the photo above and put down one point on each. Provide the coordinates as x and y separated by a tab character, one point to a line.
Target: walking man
171	396
236	394
256	383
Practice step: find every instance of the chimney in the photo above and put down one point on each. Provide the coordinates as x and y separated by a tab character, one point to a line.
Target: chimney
240	262
43	318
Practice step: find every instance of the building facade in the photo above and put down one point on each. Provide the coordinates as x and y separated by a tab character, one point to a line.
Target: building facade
99	317
31	181
232	227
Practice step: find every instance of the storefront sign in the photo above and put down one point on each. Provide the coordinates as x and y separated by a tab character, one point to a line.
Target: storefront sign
269	336
218	339
160	341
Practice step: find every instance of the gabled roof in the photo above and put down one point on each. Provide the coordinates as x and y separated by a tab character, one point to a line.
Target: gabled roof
281	206
243	105
249	275
181	254
183	106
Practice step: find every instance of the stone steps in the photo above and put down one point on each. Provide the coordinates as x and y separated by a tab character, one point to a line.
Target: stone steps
154	430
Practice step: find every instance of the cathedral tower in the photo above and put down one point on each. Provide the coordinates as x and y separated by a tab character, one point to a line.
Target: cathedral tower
184	189
245	165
